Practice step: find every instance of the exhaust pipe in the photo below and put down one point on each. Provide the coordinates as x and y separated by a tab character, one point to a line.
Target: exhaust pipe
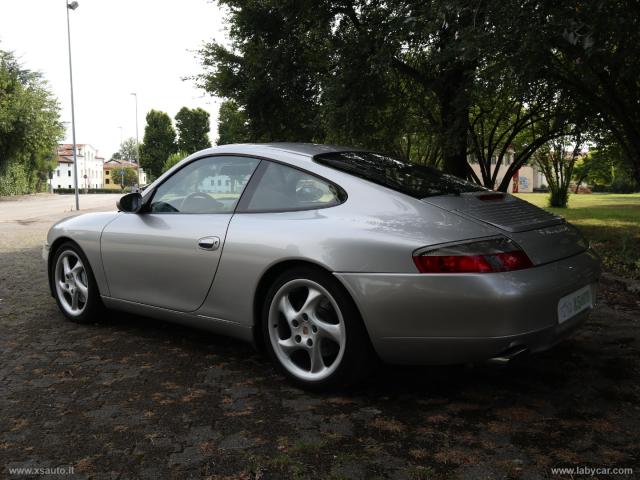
509	355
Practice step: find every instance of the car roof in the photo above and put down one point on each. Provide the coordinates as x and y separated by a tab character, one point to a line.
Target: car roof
305	149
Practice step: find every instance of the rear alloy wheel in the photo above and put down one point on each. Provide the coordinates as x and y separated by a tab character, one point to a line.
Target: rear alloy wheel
75	288
313	330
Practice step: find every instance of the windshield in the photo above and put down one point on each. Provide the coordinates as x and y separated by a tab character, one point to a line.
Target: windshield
417	181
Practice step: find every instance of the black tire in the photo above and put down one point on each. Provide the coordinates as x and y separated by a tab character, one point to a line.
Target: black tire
93	308
357	359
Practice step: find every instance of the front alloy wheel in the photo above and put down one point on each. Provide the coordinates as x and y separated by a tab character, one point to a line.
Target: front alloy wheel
74	286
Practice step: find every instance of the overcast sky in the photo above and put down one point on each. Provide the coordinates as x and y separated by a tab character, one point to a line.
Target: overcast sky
118	47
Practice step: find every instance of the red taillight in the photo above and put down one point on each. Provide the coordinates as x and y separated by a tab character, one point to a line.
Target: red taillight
491	255
514	260
451	264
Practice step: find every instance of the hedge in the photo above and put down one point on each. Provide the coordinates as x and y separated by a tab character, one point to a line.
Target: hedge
65	191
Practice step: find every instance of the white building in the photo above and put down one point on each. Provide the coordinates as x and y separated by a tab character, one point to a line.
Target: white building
90	171
525	180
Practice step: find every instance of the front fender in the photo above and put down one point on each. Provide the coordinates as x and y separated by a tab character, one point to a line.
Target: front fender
85	230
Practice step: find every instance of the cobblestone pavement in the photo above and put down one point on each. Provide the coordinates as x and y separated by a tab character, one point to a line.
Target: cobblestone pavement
133	397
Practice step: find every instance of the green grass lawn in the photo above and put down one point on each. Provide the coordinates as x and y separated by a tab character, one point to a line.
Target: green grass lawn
611	223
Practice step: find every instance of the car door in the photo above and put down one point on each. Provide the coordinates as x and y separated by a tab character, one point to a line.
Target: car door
167	256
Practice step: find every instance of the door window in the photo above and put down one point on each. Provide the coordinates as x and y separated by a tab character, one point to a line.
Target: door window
208	185
283	188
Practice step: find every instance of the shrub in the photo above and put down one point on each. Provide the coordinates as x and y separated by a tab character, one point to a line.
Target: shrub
558	198
623	185
15	180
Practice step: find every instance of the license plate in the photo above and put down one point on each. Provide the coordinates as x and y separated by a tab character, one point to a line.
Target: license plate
574	303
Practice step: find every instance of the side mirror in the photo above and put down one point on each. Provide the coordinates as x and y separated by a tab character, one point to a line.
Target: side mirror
130	203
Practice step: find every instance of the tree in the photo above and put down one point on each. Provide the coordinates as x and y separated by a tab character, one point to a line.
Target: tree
193	129
514	114
159	142
557	159
591	50
129	150
232	124
603	166
30	126
125	177
173	159
386	75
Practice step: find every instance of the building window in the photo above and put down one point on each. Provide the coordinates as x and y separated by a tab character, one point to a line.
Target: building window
106	172
69	172
69	187
107	181
58	173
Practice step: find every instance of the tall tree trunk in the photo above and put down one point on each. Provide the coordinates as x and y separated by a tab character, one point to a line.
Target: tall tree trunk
454	107
632	150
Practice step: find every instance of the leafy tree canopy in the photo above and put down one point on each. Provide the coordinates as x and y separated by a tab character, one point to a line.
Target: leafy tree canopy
30	126
159	142
173	159
124	176
128	150
435	81
193	129
232	124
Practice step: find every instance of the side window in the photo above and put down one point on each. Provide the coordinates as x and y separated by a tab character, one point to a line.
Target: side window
208	185
283	188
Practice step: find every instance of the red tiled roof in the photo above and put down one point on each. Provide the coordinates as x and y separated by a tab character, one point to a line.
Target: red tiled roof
64	152
120	163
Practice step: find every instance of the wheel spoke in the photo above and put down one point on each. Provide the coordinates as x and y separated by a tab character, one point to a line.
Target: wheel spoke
288	345
77	268
63	286
74	299
317	363
329	330
84	291
65	265
313	299
287	309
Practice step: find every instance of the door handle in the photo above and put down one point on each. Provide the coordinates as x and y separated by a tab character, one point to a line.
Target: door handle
209	243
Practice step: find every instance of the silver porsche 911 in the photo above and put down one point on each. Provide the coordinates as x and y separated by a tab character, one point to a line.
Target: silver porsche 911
330	258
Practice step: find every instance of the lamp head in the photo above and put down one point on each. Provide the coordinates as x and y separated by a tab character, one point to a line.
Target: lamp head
72	5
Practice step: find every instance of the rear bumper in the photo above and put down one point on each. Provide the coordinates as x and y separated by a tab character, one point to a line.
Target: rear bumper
448	319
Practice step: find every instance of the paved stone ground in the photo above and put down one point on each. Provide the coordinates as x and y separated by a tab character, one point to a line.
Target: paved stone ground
138	398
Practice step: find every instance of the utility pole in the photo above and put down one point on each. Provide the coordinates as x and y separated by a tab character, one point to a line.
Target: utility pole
72	6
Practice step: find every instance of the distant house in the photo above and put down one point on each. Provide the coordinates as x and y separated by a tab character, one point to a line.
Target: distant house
89	167
112	169
526	179
228	180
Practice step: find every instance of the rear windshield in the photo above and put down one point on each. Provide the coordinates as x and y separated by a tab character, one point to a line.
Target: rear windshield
417	181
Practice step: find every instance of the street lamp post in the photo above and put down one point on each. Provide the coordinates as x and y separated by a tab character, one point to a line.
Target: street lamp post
72	6
137	138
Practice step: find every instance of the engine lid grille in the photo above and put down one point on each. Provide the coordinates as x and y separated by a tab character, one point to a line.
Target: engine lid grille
508	213
513	216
